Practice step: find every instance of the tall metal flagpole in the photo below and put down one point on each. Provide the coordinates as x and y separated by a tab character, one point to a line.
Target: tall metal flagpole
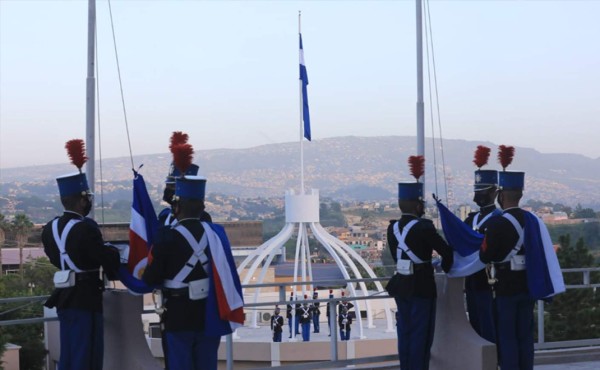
90	99
420	104
301	115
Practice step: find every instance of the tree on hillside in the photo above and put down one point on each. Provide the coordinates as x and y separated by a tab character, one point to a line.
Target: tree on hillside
336	207
573	314
580	212
3	335
21	225
588	231
331	215
557	207
4	227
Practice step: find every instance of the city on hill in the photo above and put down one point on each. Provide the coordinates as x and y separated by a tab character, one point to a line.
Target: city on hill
344	169
356	178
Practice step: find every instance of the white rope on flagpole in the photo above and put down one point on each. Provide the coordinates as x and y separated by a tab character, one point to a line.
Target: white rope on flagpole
301	114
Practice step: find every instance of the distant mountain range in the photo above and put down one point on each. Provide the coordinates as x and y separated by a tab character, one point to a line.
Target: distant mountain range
347	168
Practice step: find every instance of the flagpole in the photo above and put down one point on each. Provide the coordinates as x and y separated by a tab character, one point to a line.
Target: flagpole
420	104
91	99
301	117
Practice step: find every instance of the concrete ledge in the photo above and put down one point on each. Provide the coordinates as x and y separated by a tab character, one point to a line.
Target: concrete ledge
454	337
303	352
125	345
567	356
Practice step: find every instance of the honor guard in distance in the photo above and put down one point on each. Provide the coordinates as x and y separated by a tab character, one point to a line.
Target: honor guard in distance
316	313
345	323
277	325
327	312
290	314
304	312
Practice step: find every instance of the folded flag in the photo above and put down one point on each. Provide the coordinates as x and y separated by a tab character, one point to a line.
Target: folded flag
544	276
225	302
460	236
464	240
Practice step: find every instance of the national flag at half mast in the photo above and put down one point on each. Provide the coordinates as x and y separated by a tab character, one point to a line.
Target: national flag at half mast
304	79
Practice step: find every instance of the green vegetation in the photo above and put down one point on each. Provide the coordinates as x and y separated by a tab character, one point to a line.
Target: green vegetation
273	225
331	215
21	225
36	280
589	232
580	212
574	314
557	207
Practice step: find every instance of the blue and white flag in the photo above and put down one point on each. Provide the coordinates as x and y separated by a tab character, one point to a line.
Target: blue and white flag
304	79
464	241
544	277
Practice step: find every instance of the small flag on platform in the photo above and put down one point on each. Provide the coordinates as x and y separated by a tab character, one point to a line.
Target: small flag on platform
304	79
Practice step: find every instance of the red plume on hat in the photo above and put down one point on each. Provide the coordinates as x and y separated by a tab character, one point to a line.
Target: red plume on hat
182	156
482	154
417	165
177	138
76	151
505	155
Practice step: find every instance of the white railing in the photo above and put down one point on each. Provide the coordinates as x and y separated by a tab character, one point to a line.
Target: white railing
334	360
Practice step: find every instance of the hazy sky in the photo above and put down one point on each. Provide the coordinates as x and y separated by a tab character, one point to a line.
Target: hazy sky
524	73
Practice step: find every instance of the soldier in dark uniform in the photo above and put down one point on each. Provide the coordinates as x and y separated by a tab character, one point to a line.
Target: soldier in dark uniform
74	242
328	310
345	323
412	240
179	261
477	289
504	251
277	325
297	318
304	314
345	304
166	216
316	313
291	315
